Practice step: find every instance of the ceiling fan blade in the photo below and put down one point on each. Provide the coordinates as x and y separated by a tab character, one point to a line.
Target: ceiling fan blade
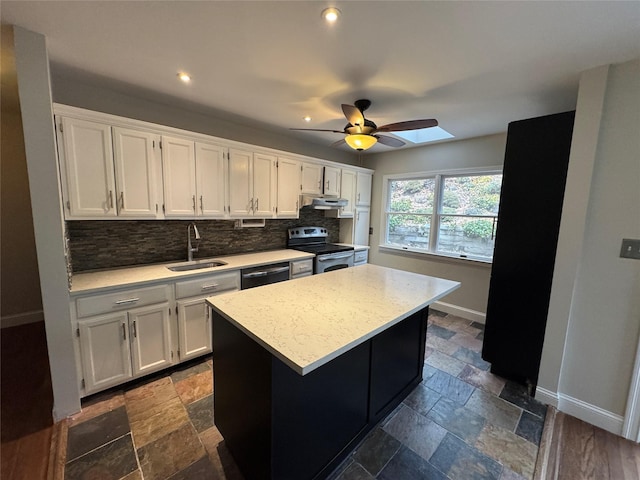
339	143
409	125
317	130
354	116
389	141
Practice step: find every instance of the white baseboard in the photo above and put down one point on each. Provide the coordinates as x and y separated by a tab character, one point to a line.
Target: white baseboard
458	311
547	396
586	412
591	414
21	319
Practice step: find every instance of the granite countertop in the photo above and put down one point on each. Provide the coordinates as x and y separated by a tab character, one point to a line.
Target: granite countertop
92	282
309	321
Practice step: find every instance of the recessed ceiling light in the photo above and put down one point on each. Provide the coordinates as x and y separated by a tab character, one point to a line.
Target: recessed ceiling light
330	14
185	77
307	119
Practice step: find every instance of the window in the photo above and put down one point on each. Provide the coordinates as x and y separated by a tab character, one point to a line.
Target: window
452	214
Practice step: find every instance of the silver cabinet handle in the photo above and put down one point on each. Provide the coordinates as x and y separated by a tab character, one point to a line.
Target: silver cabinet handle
135	330
193	198
110	198
257	200
127	301
124	331
358	197
122	200
201	205
209	286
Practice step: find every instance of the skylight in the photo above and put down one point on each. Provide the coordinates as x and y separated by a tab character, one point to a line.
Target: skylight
424	135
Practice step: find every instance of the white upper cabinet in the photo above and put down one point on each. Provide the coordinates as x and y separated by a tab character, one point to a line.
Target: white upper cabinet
240	182
361	226
312	178
288	188
331	181
118	168
264	185
363	189
86	163
135	167
179	175
210	180
348	191
252	184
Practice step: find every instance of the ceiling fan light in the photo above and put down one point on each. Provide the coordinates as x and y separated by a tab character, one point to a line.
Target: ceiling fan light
360	142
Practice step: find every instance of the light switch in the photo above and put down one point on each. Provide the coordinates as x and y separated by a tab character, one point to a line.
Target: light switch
630	248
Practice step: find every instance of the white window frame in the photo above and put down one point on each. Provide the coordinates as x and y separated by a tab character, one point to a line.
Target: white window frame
434	226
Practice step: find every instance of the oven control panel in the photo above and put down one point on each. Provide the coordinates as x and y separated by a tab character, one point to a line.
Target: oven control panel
308	232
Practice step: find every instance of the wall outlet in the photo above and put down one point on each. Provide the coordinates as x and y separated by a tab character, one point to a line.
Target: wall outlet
630	248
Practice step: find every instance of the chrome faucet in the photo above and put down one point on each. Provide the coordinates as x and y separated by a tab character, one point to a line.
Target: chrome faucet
190	248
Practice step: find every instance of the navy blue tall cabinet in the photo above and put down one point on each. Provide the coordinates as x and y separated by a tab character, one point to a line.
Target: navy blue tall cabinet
534	177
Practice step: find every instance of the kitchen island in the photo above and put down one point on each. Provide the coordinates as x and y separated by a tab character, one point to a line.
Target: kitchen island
304	369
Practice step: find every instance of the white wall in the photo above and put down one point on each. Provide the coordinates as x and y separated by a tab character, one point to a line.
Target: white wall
476	152
32	66
603	322
20	301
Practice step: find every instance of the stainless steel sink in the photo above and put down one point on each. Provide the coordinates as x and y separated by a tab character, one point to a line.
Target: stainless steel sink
185	267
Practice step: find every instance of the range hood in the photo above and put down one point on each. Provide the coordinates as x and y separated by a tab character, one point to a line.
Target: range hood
323	203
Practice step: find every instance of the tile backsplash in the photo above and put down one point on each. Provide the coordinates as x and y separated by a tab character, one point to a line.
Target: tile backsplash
104	244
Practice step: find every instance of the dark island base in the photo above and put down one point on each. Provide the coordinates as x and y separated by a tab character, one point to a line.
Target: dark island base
281	425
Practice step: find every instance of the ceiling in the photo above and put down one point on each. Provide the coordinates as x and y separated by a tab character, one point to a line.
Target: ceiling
475	66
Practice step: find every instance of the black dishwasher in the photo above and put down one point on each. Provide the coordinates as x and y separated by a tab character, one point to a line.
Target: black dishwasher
264	275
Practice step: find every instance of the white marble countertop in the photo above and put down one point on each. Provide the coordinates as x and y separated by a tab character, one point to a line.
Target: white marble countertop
309	321
96	281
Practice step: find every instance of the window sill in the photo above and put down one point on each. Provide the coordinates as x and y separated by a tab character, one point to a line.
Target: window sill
436	256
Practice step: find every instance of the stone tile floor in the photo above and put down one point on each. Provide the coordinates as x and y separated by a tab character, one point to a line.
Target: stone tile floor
461	422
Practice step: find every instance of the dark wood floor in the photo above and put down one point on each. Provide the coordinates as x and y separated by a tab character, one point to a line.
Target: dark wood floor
573	449
26	403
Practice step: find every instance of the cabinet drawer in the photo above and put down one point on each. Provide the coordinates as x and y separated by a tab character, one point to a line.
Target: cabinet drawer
209	285
300	267
121	300
361	256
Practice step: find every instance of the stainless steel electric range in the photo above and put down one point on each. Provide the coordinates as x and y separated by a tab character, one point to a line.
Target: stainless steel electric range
329	256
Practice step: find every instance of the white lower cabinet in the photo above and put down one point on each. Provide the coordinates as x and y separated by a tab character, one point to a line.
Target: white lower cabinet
194	316
194	328
104	347
150	334
134	339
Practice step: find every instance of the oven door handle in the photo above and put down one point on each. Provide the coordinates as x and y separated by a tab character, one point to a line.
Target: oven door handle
265	272
333	256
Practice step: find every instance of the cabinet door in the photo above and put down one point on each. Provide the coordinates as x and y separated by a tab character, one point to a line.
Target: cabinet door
264	185
88	169
288	188
332	181
363	189
312	178
348	191
210	180
104	347
135	168
150	333
361	228
194	328
179	175
240	188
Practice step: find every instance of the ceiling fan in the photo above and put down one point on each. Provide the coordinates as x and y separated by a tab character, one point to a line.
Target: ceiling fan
362	134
